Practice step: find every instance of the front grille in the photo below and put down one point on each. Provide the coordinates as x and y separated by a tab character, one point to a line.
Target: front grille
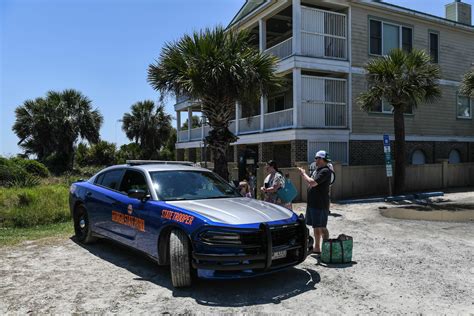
285	235
255	249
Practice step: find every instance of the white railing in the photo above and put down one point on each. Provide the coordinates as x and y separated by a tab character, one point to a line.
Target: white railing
181	98
323	33
279	119
249	125
207	129
232	127
283	49
324	102
196	133
183	136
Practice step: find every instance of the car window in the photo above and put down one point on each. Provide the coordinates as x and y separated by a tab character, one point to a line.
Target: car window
190	185
133	180
111	179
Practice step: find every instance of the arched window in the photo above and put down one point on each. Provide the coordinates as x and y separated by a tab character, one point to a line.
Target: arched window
418	157
454	156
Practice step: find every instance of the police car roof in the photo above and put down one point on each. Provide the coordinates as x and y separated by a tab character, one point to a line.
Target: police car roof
159	167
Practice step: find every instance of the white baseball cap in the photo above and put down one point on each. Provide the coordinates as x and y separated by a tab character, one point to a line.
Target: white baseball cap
322	154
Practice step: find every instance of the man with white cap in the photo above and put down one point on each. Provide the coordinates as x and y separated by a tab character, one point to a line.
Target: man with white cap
317	209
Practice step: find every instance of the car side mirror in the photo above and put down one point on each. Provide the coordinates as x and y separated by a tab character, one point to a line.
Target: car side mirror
138	194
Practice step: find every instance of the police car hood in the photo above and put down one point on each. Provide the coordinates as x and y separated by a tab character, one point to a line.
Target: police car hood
235	211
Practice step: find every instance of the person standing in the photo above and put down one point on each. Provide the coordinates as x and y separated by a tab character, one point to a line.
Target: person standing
317	208
272	183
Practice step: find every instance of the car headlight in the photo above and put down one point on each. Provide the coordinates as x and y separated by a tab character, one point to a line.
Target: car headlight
72	188
220	237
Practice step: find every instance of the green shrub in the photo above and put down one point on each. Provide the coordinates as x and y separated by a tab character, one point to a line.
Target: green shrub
28	207
21	172
32	167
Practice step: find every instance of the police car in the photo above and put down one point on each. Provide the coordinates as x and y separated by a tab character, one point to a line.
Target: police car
189	218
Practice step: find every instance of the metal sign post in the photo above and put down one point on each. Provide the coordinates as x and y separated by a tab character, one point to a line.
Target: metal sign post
388	162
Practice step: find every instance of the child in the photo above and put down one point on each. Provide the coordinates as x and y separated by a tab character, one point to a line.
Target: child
244	189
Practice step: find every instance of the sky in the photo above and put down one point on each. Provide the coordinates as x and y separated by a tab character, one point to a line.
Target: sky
101	48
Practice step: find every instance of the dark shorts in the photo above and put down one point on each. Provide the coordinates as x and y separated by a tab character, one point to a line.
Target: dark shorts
316	218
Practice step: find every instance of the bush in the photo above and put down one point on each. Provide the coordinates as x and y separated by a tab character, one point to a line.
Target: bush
33	167
100	154
21	172
28	207
130	151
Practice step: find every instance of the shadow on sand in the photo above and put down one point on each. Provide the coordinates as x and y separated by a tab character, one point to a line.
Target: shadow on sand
271	288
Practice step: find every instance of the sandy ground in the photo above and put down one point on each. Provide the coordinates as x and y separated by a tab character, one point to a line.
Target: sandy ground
402	266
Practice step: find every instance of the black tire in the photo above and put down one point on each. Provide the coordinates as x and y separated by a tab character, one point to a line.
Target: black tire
82	227
180	263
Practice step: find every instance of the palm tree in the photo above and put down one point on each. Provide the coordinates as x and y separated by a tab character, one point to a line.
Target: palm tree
467	86
49	127
217	67
148	126
405	80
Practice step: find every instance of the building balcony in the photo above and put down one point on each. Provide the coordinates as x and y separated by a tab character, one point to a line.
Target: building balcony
312	102
322	34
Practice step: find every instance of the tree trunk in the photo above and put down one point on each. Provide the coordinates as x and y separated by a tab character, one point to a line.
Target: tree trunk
399	154
219	140
219	111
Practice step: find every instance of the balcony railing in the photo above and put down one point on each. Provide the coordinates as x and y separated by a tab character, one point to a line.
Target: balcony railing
196	133
183	136
324	102
283	49
323	33
181	98
249	125
279	119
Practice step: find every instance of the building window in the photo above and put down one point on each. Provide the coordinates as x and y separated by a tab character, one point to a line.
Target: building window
386	36
434	47
375	37
418	157
454	156
385	107
336	150
464	107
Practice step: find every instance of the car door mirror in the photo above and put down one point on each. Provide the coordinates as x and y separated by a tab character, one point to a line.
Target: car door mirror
139	194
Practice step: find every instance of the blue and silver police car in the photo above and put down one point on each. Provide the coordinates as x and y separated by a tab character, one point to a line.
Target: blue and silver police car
189	218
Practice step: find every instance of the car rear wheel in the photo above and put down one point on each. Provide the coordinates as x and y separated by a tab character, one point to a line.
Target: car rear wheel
179	259
82	227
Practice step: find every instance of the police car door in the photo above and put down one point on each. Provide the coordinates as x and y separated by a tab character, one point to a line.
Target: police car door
129	209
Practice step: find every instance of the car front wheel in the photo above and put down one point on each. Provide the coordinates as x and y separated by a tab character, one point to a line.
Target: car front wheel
179	259
82	227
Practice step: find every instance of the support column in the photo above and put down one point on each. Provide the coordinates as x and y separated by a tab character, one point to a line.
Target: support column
203	120
263	105
190	115
262	34
296	97
296	27
178	124
237	117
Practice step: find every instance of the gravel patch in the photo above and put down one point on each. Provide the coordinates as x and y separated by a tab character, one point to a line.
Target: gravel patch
400	266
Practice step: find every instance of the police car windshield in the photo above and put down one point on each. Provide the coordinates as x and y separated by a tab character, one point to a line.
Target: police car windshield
190	185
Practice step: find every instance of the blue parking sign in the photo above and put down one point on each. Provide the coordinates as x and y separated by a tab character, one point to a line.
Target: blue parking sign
386	140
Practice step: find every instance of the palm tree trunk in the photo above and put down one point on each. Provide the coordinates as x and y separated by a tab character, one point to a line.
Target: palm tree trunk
219	140
399	154
219	112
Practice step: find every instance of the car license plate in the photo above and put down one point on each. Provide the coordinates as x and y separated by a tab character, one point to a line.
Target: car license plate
279	254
